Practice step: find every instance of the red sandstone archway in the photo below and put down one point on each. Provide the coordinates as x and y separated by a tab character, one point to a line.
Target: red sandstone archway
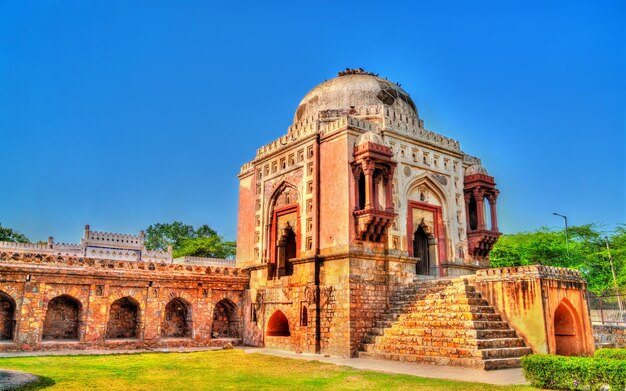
7	317
225	323
62	318
278	325
123	319
567	330
177	320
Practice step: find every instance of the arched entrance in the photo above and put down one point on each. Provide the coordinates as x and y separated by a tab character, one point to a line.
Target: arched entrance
224	320
566	331
7	317
421	250
177	320
62	319
123	319
278	325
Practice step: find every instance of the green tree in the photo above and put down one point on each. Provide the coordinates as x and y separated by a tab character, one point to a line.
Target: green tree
186	240
11	235
585	251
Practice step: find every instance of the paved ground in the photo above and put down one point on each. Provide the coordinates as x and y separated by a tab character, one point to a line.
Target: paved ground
10	380
500	377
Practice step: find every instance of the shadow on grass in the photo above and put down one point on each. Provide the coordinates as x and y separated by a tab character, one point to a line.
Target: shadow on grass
39	384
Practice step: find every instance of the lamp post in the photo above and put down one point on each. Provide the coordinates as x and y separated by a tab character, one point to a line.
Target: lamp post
566	235
564	218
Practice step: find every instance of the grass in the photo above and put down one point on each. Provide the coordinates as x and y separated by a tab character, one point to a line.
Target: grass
211	370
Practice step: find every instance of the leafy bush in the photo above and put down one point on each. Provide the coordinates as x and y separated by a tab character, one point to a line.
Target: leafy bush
616	354
574	373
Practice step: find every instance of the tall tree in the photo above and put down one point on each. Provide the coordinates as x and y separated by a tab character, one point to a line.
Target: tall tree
11	235
585	250
188	241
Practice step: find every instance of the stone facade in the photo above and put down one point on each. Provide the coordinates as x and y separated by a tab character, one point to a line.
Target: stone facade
339	217
64	302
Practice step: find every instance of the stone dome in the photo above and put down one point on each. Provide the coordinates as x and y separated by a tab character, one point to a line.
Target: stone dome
369	137
353	88
475	169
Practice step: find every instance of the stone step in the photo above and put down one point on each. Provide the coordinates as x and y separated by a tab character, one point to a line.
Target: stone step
448	341
501	363
468	362
412	316
440	301
450	352
448	324
416	308
505	352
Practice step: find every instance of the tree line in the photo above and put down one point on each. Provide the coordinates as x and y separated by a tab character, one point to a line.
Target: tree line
583	249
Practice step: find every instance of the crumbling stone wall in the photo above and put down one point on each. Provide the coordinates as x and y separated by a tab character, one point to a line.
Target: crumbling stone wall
609	336
93	310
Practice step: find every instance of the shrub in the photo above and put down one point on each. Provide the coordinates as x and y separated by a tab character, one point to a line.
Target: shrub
617	354
574	373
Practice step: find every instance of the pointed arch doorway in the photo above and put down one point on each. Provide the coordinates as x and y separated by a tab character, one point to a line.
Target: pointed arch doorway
421	250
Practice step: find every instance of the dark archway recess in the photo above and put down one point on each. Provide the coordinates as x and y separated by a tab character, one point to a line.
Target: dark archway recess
123	319
421	251
278	325
566	332
177	320
62	319
225	324
7	317
361	185
290	250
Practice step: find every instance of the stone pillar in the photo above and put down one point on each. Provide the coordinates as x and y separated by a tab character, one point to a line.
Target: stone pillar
368	170
494	216
389	193
468	197
357	199
479	196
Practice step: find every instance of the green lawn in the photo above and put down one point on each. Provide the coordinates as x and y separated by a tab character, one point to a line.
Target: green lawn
213	370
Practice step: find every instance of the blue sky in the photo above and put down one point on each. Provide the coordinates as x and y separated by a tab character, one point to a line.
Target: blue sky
122	114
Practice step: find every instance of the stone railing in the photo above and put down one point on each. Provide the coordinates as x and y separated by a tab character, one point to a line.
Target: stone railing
24	246
534	271
350	121
205	261
16	259
296	132
120	240
407	126
471	160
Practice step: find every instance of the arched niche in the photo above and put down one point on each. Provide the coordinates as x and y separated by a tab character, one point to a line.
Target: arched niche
225	324
177	319
567	330
62	319
278	325
7	317
123	319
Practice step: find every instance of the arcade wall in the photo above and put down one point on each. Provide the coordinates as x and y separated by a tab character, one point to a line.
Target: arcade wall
57	302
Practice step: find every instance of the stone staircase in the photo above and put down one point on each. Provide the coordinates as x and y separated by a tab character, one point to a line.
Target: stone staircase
444	322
